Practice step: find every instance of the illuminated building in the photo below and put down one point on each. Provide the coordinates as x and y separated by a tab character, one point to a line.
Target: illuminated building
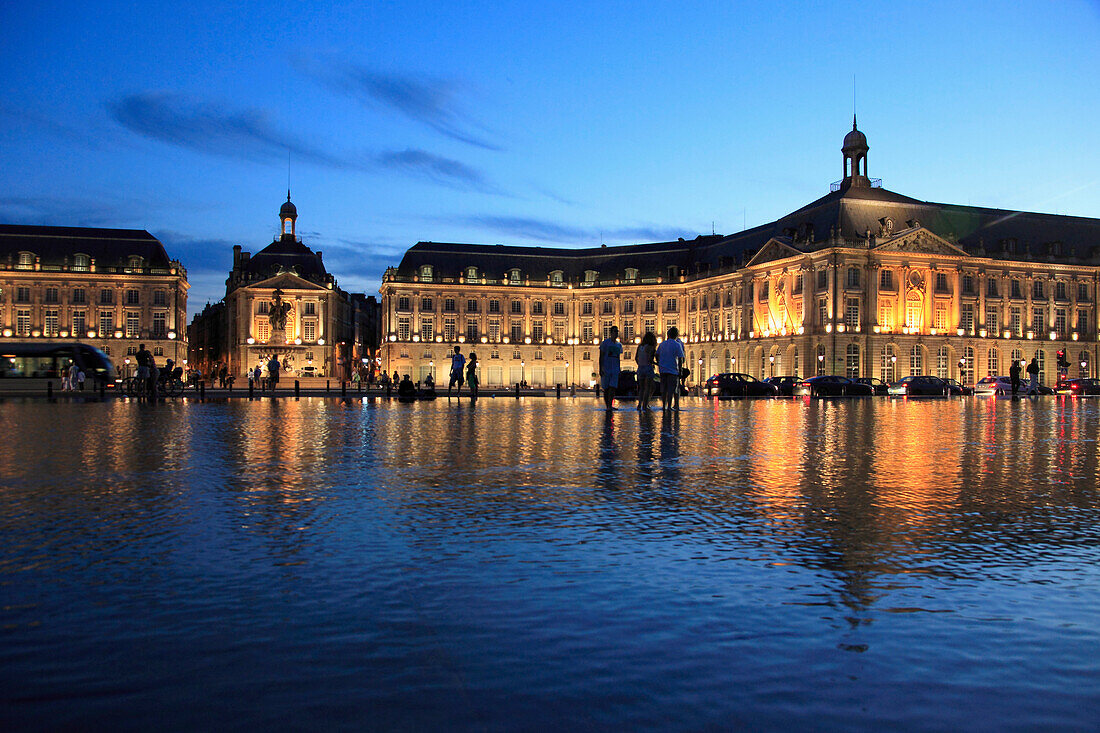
861	282
111	288
286	275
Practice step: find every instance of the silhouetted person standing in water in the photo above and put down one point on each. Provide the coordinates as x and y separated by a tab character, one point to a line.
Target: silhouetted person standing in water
471	375
1033	375
457	362
645	358
610	351
1014	375
670	358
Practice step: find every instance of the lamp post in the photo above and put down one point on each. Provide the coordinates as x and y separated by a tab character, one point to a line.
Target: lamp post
522	364
820	362
771	361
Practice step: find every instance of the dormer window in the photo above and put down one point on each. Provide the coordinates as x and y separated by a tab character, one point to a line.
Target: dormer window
26	261
134	262
513	276
471	273
82	263
631	274
673	272
556	277
590	276
426	273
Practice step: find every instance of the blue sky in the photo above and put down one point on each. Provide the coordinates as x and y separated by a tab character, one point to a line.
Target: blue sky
555	124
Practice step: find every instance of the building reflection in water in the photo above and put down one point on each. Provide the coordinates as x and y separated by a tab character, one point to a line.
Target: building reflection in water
866	492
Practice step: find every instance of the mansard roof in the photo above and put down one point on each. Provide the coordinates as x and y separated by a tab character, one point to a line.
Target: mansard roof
286	253
55	246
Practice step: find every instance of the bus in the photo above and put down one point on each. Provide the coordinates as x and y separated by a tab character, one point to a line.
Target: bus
34	360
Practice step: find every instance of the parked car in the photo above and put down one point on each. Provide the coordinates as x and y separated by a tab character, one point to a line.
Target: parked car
831	385
1080	387
739	385
784	385
922	385
309	371
958	388
878	387
996	385
628	384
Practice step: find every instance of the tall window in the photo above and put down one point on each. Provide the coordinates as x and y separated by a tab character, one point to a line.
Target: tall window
50	322
853	277
427	330
966	371
1016	291
993	361
851	361
517	307
516	332
1060	322
160	326
822	311
449	305
403	303
991	287
851	312
159	297
106	297
966	318
888	368
80	296
538	331
1016	321
404	328
587	332
494	329
942	362
133	324
471	305
820	360
941	283
309	308
991	313
80	323
50	295
309	330
106	324
1037	289
450	331
670	305
1082	320
559	307
132	297
471	331
968	283
23	322
1038	320
916	360
494	305
886	280
914	312
1042	366
536	308
1060	290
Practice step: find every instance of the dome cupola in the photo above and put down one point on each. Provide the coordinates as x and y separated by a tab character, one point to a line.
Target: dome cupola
855	158
288	215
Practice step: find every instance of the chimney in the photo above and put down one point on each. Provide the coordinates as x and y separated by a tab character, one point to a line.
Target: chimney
236	255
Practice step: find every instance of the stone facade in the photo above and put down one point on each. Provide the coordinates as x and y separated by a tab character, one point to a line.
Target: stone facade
110	288
862	282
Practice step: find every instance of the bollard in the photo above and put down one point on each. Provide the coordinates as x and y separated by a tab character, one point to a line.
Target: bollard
326	386
250	383
202	389
343	388
49	390
297	389
597	390
517	390
359	386
559	391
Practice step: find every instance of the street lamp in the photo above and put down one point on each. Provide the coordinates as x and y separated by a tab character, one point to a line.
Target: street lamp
522	364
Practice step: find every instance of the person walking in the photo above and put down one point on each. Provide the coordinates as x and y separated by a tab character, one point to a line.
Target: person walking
610	352
72	377
471	375
273	367
457	362
645	357
144	362
670	359
1033	376
1014	375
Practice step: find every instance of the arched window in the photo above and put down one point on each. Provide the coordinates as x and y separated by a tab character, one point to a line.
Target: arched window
26	261
557	277
851	361
916	361
135	261
81	263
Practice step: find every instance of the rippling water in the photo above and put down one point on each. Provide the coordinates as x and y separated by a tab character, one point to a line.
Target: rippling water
865	564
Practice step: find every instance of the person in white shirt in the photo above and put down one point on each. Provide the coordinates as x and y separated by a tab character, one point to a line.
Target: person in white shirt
670	359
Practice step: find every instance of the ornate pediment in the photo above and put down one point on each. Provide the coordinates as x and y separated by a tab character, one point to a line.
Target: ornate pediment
774	249
920	241
285	280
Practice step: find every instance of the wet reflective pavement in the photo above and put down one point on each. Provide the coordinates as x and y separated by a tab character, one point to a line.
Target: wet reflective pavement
857	565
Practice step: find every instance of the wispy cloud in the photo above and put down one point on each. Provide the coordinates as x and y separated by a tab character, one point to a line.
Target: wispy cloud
249	134
548	231
206	255
429	101
436	168
64	212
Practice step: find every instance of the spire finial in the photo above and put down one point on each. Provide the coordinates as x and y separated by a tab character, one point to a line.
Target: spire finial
853	127
288	194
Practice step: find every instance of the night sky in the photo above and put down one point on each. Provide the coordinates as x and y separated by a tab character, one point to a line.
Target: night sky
556	124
